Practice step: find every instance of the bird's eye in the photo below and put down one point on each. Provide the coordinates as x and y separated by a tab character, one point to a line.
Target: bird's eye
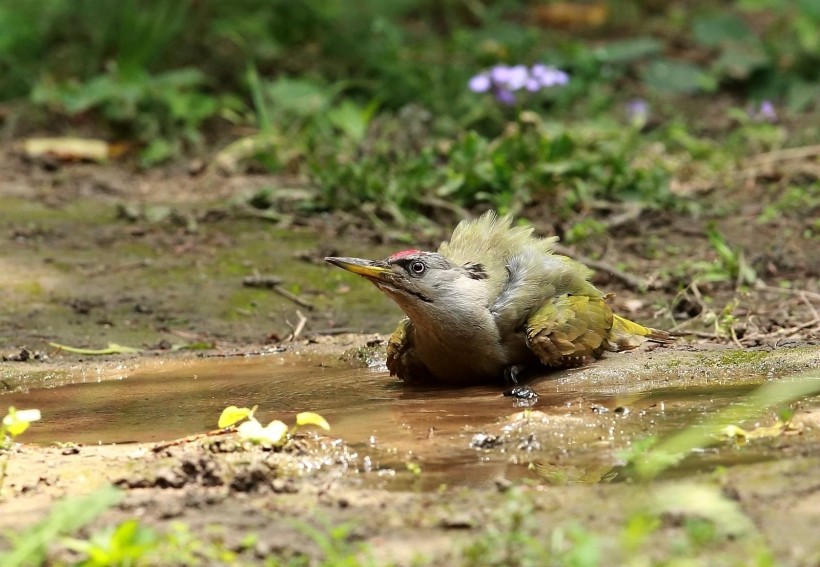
417	268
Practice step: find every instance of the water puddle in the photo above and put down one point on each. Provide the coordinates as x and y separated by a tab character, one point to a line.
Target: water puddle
465	437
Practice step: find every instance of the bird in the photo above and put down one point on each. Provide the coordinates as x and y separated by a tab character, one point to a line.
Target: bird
492	302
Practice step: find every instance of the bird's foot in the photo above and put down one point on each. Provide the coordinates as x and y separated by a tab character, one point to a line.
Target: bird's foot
524	395
511	374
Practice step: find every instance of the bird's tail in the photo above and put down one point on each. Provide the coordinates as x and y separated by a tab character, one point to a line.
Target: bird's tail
626	334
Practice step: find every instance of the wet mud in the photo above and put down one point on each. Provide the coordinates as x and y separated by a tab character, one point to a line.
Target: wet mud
420	473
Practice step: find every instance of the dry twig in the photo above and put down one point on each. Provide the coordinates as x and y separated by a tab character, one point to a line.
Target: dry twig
274	283
783	155
808	303
631	282
191	438
300	326
788	291
293	297
780	333
260	281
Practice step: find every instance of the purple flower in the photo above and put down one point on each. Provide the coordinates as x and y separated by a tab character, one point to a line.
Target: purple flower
500	74
539	70
518	77
480	83
504	80
505	96
532	85
767	111
549	76
637	111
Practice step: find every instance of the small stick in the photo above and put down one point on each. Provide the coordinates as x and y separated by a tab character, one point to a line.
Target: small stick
782	332
300	326
631	281
241	354
191	438
293	297
788	291
274	283
809	305
783	155
703	335
440	203
265	282
628	215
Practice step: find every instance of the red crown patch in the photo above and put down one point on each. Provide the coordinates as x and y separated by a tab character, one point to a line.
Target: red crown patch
403	254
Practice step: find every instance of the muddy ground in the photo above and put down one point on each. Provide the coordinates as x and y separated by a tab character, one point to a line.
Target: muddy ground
97	254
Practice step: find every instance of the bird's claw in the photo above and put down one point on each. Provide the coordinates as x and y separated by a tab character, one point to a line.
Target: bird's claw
522	394
511	375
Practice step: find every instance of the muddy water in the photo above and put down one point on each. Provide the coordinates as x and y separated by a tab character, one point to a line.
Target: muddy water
459	437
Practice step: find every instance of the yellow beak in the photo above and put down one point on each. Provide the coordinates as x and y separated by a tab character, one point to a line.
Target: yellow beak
366	268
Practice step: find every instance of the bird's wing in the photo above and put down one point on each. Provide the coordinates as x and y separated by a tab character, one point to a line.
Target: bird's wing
568	326
533	276
402	360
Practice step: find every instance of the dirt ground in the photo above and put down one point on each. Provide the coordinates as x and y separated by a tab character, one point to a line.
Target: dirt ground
94	254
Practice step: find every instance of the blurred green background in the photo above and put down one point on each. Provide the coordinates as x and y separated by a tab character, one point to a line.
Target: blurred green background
370	100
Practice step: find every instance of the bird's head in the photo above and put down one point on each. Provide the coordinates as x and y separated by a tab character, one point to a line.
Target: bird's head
422	283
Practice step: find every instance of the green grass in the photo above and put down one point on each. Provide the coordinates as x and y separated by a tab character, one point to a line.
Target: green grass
362	93
31	545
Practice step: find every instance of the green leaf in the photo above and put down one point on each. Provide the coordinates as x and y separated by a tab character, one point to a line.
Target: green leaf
807	32
704	502
157	151
232	415
801	95
310	418
676	77
351	119
120	545
762	432
740	60
301	97
29	546
628	50
716	29
561	147
652	461
113	348
185	78
734	432
80	98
